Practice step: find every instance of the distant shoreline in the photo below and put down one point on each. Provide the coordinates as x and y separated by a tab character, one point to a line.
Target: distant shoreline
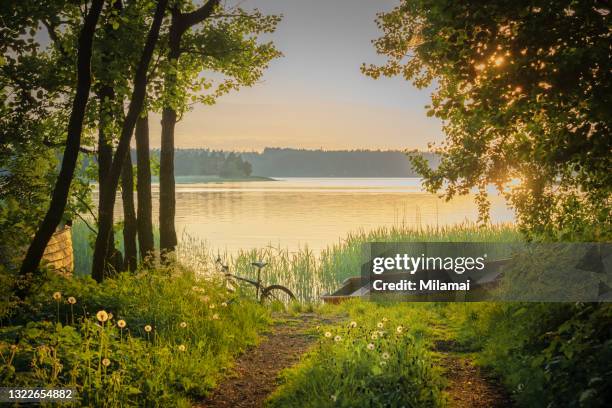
213	179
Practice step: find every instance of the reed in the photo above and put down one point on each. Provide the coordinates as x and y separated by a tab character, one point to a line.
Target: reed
309	275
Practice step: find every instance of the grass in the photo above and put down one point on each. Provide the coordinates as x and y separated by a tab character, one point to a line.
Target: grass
157	338
547	354
379	357
307	274
552	354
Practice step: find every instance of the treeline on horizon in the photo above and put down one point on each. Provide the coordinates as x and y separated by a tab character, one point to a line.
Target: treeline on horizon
292	162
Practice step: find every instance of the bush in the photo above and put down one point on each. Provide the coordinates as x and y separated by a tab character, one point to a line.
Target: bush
556	355
159	338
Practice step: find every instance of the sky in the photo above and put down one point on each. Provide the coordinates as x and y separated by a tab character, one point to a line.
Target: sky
315	95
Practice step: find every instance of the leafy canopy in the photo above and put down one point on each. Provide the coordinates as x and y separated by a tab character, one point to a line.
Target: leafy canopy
524	91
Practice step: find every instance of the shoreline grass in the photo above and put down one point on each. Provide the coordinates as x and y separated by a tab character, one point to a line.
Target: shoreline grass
307	274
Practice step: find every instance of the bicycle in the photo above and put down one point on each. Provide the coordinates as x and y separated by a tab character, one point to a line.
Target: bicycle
263	293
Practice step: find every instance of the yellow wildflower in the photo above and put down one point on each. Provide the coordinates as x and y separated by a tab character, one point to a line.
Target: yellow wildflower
102	316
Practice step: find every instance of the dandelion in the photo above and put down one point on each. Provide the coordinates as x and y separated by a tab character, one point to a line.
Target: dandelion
215	316
182	347
328	334
370	346
102	316
110	316
195	288
211	306
121	323
71	300
380	325
148	328
333	397
385	356
353	325
224	304
383	363
105	362
374	336
399	329
183	325
385	320
57	295
337	339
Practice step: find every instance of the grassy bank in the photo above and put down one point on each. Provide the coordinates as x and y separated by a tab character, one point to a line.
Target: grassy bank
158	338
308	274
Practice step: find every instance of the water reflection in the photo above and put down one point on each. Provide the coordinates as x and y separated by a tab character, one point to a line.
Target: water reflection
295	212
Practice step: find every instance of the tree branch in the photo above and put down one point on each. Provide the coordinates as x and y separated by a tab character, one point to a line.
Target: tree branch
88	208
53	36
197	16
87	224
82	149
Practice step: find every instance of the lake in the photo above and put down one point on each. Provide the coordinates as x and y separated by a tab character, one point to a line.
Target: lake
313	212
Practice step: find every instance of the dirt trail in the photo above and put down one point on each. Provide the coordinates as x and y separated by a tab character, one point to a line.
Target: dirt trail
468	385
256	371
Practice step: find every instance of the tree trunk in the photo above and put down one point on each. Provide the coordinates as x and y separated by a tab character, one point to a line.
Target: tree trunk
167	199
106	96
71	151
129	216
143	187
135	107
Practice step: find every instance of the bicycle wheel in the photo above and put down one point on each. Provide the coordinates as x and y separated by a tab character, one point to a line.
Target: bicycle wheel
277	293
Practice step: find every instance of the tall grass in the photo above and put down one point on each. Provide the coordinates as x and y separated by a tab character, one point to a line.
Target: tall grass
307	274
83	239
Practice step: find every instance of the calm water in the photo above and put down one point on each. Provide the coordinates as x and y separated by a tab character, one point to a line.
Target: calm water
294	212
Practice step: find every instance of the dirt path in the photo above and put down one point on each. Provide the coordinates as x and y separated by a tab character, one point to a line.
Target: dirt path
469	386
256	371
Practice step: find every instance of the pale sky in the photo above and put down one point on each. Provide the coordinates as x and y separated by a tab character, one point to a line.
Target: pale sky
315	96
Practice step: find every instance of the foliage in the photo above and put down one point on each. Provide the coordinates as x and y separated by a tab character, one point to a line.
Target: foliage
556	355
379	359
219	55
524	91
35	93
194	335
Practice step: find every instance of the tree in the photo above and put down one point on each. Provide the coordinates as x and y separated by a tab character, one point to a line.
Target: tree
181	22
134	110
73	143
524	90
129	216
199	41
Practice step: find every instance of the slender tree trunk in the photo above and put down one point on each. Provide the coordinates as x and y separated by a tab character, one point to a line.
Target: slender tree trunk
106	96
129	216
143	187
71	151
135	107
167	199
